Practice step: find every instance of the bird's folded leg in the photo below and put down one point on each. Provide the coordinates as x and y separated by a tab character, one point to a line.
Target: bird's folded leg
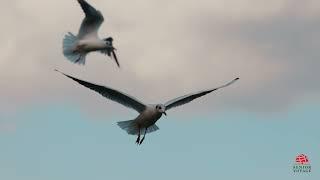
138	138
145	132
80	57
141	141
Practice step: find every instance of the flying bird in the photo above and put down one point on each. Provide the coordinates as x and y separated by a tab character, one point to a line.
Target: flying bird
149	114
76	48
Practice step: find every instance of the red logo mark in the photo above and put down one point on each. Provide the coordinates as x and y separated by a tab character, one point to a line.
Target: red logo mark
302	159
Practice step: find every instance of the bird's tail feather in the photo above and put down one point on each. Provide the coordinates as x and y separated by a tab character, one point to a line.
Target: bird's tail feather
152	128
131	127
69	44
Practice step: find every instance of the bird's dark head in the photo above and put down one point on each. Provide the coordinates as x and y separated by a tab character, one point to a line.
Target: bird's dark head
161	108
110	50
108	41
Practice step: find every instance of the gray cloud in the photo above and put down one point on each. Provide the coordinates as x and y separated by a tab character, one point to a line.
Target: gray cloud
282	56
167	48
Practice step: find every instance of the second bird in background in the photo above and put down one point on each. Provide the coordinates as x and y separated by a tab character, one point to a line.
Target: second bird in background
75	48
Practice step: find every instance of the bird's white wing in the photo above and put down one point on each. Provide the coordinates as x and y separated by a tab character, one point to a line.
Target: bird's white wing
112	94
189	97
92	21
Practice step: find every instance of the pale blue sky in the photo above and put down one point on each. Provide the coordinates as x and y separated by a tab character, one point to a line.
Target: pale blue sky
60	142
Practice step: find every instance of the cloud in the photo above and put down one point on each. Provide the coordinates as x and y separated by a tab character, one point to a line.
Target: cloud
166	48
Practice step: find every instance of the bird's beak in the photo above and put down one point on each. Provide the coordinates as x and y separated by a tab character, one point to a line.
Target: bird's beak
165	113
115	56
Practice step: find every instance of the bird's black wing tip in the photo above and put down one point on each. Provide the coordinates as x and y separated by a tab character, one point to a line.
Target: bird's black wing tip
81	1
56	70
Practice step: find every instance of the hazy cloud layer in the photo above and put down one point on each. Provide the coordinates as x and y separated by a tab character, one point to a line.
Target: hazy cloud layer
166	49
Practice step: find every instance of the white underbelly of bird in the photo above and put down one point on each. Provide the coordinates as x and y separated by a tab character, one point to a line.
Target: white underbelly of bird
148	117
86	46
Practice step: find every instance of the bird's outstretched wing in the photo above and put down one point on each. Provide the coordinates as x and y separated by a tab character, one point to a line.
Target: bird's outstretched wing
92	21
188	98
112	94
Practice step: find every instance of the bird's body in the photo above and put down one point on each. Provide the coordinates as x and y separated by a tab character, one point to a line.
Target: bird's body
89	45
148	117
76	47
148	114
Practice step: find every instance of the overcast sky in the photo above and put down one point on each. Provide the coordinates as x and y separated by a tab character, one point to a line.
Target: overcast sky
166	49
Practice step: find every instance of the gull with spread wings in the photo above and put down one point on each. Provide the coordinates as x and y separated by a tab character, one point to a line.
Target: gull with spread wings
149	113
76	48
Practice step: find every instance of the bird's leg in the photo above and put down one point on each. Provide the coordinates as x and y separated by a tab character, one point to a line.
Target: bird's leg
138	139
145	132
78	59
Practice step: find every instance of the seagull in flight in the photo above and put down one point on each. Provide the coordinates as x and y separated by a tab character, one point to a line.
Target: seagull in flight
149	114
76	48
